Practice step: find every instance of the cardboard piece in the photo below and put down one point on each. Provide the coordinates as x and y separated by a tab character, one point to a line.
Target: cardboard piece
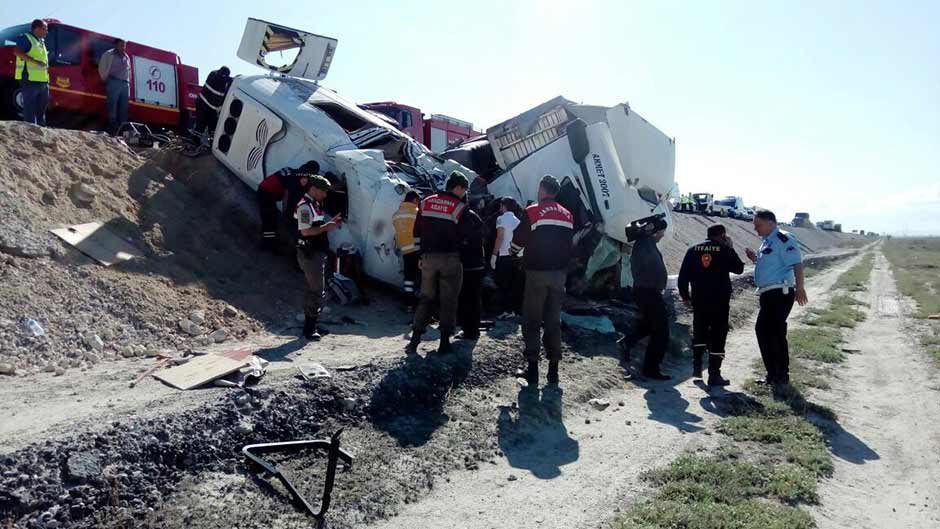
200	370
97	242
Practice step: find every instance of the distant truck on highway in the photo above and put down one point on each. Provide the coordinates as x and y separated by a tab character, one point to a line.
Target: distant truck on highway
703	203
163	90
437	132
731	207
801	220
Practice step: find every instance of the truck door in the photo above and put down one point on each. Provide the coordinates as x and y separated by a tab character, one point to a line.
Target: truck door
68	89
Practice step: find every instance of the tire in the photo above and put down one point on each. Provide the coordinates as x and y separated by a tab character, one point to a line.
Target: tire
11	101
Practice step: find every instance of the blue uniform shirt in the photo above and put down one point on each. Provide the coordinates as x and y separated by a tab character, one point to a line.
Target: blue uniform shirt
778	254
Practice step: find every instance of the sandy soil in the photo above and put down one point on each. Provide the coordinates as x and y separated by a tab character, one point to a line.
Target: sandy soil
887	471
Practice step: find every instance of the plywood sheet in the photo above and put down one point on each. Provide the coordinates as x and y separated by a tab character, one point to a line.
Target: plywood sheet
98	242
200	370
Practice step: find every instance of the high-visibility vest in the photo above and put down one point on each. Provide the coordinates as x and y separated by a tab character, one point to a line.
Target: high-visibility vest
34	72
404	222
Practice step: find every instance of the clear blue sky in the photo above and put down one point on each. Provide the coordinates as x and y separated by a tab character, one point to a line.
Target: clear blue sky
827	107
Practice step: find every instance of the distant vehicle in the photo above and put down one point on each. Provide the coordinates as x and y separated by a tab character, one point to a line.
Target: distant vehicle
826	225
748	214
732	207
703	203
163	91
437	132
801	220
837	228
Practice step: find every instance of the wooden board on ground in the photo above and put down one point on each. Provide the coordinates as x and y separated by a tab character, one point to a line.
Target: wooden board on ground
200	370
98	242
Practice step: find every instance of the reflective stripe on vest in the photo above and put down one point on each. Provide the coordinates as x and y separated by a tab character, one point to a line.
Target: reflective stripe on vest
442	207
34	72
549	213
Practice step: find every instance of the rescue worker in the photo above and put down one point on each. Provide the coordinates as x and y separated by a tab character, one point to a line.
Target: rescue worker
649	281
115	70
439	228
504	263
404	222
285	185
313	248
706	267
32	71
210	100
546	238
469	306
778	274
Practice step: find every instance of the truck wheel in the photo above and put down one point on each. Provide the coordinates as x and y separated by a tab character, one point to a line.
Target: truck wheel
11	105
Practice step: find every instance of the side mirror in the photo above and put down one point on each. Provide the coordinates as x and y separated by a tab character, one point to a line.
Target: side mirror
578	140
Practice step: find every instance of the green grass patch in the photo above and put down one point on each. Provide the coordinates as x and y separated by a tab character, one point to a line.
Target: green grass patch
854	279
819	344
916	267
750	514
707	492
932	344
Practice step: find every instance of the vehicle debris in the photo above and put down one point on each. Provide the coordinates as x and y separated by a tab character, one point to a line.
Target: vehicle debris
312	371
334	455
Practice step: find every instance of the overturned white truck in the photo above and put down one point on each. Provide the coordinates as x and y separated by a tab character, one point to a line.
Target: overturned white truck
616	168
286	118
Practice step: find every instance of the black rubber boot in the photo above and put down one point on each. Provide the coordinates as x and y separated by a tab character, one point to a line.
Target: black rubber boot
310	329
714	370
445	347
698	355
552	372
532	374
412	347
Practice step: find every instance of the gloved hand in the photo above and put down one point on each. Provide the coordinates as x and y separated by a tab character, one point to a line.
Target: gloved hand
493	262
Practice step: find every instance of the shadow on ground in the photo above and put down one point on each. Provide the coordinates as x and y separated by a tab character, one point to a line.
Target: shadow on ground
535	438
408	403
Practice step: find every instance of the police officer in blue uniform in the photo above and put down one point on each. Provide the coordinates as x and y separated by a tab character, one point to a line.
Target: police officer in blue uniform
778	274
706	267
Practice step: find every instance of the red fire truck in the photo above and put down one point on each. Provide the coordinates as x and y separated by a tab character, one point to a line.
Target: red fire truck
436	132
163	91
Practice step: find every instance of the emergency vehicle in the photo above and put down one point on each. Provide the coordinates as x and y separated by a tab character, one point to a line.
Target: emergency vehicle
437	132
163	90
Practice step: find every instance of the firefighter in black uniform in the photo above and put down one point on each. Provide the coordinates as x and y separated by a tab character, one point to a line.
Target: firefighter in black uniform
313	248
288	185
706	267
210	100
440	227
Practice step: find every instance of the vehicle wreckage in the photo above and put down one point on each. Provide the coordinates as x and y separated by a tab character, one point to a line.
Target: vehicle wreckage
617	169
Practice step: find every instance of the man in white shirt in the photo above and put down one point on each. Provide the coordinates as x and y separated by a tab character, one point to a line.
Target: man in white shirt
503	262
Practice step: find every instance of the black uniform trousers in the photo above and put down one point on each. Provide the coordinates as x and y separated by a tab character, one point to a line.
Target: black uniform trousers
656	324
207	118
510	279
412	277
267	207
771	330
469	306
710	329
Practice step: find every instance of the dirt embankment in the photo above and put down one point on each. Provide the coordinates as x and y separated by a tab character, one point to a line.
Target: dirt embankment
195	228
